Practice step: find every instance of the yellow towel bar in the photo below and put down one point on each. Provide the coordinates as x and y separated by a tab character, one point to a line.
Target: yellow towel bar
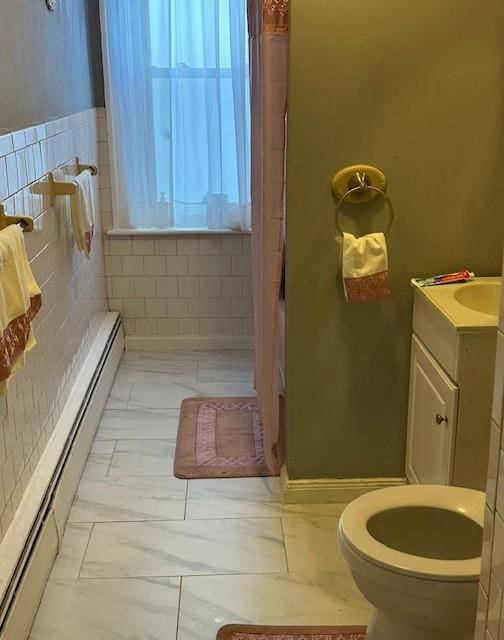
25	222
52	187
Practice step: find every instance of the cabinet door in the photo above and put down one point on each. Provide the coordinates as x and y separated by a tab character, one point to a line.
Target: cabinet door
432	420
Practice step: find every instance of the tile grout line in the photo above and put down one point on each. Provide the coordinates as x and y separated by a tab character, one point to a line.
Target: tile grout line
179	606
85	550
285	545
110	461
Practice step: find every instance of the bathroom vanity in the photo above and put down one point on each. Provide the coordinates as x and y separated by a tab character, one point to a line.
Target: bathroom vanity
451	382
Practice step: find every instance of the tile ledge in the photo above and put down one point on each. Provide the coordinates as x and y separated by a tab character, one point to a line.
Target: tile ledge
175	231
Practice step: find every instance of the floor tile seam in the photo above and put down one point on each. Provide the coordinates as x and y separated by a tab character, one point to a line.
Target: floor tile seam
85	550
285	545
206	575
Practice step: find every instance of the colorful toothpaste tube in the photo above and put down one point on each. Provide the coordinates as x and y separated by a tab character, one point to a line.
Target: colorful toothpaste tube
446	278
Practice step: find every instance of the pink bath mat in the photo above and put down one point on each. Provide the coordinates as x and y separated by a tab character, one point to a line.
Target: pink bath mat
220	438
252	632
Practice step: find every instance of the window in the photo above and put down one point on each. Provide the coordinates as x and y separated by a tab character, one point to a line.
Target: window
188	120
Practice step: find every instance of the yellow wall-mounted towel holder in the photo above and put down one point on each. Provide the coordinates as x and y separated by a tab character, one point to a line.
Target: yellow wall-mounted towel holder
53	187
358	175
357	184
25	222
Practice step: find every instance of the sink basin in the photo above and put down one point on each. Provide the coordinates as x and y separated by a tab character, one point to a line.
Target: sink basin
483	297
470	305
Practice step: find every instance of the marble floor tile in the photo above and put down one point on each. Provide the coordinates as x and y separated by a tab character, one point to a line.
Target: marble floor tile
207	603
188	547
119	396
99	459
171	394
222	371
161	396
73	547
149	370
247	498
234	498
312	544
129	499
142	458
130	424
132	609
222	389
197	356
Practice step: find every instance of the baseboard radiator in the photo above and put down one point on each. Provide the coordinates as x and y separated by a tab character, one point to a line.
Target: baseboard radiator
32	542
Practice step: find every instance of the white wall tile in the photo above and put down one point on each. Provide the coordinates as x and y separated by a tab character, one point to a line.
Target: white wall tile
145	287
188	286
241	266
187	245
199	265
232	287
165	246
498	380
123	287
494	607
493	465
188	327
220	308
73	293
167	287
143	246
134	308
168	327
220	265
242	308
6	145
177	308
155	308
132	265
232	245
155	265
210	327
210	245
121	246
210	287
486	554
4	189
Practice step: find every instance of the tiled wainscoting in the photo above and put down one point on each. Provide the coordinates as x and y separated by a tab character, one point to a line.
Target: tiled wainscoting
490	623
74	297
181	285
176	285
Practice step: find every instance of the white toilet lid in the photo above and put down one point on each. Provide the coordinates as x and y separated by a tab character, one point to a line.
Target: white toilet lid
354	529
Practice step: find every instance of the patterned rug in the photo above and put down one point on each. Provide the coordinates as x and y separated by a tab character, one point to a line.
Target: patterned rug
251	632
220	438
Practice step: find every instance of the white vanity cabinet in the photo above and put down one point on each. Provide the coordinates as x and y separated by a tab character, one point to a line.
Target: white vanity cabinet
450	396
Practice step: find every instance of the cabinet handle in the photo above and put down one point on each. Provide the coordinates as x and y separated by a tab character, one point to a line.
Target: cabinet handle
440	418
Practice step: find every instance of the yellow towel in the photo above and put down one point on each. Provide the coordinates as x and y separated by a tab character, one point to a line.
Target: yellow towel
365	267
83	212
20	301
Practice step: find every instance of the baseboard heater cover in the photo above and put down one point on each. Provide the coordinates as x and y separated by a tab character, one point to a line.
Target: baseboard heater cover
31	543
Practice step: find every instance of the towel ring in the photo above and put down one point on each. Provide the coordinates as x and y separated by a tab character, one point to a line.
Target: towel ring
362	188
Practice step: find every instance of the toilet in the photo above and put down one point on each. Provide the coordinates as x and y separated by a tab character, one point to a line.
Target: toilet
415	554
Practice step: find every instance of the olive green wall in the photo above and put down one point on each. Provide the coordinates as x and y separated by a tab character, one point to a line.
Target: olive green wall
50	63
416	88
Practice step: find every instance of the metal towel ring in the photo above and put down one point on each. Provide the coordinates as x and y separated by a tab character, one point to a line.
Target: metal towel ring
362	187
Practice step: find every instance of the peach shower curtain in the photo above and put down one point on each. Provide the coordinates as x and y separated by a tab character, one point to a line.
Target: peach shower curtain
268	28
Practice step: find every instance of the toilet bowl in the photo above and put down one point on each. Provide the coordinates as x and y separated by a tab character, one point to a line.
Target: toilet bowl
415	554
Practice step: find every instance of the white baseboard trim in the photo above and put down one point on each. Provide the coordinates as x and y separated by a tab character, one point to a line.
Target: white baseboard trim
189	343
332	490
32	541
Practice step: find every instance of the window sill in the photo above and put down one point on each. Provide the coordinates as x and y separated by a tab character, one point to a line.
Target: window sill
174	231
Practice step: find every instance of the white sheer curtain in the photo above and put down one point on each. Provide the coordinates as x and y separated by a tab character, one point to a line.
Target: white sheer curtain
178	108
